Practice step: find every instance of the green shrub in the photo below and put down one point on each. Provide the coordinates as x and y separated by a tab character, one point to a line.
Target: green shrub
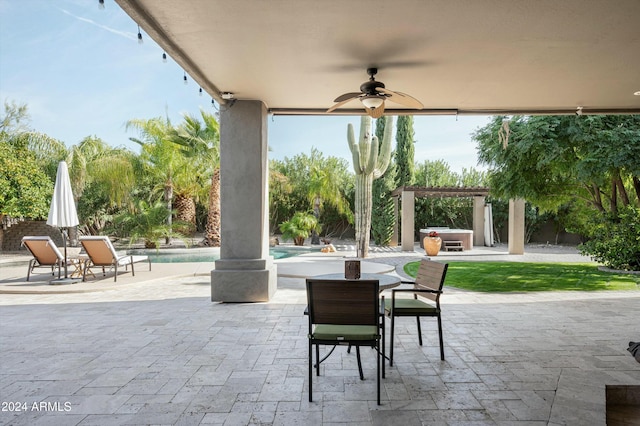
148	222
299	227
614	240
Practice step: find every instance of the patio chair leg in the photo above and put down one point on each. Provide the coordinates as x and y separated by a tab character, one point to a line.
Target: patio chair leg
419	331
393	323
441	339
310	373
31	269
359	363
383	348
378	369
317	360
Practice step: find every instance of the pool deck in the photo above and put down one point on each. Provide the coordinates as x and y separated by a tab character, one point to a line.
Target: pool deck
153	349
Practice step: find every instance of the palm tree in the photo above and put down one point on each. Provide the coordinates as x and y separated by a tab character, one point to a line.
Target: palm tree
201	143
147	222
299	227
92	160
163	162
324	187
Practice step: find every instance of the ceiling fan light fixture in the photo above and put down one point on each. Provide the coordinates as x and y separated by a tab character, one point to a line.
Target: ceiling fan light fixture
373	95
372	101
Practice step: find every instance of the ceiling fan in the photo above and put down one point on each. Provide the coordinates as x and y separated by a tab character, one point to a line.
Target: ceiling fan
373	95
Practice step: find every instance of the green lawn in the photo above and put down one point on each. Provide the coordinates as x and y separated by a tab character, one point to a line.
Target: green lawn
516	276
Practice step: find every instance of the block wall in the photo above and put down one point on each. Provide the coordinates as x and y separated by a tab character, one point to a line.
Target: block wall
12	236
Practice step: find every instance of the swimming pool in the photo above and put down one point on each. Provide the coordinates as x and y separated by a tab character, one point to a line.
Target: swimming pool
211	254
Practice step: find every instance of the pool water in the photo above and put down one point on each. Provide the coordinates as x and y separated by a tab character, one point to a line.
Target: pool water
210	255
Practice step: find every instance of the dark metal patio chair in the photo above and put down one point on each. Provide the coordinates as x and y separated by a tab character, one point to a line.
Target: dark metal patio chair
428	285
343	313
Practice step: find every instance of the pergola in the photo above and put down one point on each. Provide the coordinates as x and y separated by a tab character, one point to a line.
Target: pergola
458	57
407	195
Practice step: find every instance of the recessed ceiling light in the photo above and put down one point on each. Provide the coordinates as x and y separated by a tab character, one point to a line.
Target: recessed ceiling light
637	93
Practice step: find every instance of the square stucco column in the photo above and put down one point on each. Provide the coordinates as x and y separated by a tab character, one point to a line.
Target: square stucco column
408	219
394	237
516	226
245	271
478	221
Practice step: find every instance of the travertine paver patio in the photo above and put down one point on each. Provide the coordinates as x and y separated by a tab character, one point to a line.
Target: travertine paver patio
159	352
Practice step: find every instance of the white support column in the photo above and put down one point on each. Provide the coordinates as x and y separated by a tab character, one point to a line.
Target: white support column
408	219
516	226
396	218
245	271
478	221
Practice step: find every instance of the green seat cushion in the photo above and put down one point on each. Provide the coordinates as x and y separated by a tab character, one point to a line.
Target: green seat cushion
410	306
345	332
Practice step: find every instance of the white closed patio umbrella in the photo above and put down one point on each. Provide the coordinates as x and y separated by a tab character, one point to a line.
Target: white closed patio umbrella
62	213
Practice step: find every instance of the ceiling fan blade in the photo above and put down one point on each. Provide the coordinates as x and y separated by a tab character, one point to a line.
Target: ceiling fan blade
376	112
346	96
339	104
401	98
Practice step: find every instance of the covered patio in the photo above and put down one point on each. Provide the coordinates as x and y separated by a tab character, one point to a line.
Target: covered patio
160	352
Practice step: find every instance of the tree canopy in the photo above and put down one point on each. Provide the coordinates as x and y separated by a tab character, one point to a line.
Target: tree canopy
586	169
25	190
25	187
311	182
551	160
405	151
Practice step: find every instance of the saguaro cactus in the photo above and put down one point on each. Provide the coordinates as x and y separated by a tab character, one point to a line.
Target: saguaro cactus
369	163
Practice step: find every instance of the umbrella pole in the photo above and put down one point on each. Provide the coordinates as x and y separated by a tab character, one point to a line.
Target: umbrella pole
66	279
66	260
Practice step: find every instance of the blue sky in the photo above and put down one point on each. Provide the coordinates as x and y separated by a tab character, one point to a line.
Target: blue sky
81	72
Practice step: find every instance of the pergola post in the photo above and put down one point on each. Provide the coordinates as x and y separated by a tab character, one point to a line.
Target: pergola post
516	226
408	219
245	271
478	221
396	212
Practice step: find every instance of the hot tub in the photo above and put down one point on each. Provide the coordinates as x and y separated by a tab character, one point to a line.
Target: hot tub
464	235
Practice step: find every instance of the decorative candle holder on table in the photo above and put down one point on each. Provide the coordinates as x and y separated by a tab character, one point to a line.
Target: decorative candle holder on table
352	269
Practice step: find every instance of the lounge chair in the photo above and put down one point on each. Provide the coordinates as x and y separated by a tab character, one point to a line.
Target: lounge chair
45	254
101	253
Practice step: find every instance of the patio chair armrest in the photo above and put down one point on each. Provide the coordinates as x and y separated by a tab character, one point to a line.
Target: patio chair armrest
412	290
127	259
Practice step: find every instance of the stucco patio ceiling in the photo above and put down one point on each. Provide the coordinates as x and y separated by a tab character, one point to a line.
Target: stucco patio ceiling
456	56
